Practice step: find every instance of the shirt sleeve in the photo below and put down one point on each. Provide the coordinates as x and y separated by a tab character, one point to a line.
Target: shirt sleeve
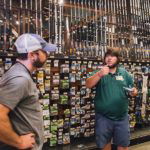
92	73
130	81
13	91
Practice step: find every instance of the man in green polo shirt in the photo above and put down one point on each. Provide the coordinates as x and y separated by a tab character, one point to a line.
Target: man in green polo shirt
111	102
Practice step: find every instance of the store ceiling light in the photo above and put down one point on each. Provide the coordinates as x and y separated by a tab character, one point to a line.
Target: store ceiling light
17	22
61	2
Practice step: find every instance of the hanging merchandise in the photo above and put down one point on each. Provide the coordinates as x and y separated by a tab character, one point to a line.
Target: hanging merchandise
68	106
46	116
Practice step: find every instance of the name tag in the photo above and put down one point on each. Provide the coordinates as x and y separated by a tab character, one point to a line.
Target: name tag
119	78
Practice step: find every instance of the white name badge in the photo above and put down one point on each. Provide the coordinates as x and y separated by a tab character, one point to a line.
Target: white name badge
119	78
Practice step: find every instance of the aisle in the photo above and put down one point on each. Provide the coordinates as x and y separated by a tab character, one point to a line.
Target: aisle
143	146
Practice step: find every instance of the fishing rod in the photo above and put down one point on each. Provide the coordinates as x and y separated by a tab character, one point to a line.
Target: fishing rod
56	25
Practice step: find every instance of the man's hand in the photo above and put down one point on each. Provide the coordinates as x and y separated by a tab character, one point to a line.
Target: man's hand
134	92
9	136
93	80
26	141
104	71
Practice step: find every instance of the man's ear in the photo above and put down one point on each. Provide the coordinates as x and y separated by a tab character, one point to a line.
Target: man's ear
31	56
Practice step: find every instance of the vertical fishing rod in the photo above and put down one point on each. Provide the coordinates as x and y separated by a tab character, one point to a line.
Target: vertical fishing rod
79	29
114	22
108	28
148	30
137	31
72	43
36	18
111	22
101	27
86	28
90	29
75	27
82	27
5	26
104	29
10	26
49	20
96	28
142	27
56	24
123	36
92	41
28	16
60	26
125	25
41	20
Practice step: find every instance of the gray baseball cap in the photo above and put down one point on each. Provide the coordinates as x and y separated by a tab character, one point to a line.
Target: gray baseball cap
31	42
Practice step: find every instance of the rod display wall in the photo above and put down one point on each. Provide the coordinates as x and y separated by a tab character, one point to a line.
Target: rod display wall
80	27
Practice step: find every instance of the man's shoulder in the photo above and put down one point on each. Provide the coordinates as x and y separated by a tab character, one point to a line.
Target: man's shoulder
17	71
125	73
122	70
15	75
16	80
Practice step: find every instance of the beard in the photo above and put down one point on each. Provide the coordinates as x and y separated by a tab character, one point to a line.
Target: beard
113	66
38	64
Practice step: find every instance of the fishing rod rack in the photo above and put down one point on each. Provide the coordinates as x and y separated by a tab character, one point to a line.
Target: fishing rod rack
84	28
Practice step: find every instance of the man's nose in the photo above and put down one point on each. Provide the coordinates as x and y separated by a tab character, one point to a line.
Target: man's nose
109	58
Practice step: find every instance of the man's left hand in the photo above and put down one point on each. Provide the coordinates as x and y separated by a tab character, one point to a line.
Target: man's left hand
134	92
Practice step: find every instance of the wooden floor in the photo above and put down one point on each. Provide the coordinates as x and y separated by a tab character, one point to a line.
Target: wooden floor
143	146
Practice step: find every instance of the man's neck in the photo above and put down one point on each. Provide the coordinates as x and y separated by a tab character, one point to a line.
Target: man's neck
28	65
113	70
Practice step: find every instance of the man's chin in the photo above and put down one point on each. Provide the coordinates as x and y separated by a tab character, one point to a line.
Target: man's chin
112	66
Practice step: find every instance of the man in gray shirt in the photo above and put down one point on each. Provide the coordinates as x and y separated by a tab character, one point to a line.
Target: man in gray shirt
21	123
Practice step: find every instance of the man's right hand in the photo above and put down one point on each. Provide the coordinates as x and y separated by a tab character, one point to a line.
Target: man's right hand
104	71
93	80
26	141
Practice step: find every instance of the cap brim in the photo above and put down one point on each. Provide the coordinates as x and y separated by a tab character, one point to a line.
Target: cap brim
50	47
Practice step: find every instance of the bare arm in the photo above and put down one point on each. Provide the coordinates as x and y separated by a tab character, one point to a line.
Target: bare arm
7	134
93	80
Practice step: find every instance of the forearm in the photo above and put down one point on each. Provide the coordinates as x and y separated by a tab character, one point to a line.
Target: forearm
7	134
93	80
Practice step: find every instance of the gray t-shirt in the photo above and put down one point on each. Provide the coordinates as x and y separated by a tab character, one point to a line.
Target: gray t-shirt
19	92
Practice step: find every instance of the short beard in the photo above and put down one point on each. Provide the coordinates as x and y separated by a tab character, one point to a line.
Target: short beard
113	66
37	63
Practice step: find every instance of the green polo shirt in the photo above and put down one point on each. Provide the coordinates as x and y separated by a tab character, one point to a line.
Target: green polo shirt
111	99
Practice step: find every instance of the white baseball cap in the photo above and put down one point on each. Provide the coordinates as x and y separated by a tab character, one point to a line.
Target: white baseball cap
31	42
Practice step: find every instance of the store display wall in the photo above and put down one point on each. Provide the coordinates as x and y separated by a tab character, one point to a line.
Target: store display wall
82	30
